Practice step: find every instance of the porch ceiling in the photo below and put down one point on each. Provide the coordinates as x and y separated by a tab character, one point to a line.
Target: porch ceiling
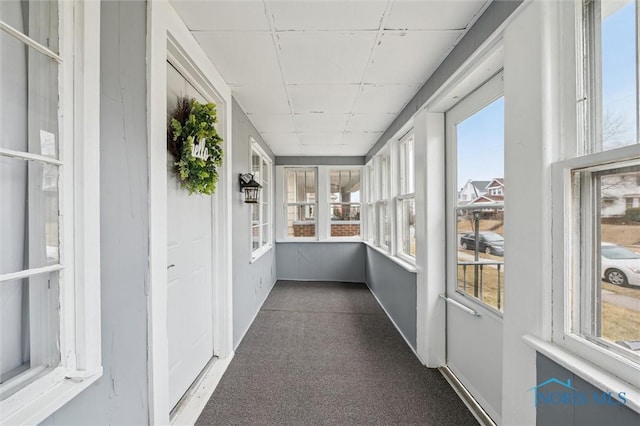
326	77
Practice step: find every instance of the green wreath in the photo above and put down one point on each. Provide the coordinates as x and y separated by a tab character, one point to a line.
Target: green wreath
196	145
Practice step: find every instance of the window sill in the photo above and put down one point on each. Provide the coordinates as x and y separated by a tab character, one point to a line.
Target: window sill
256	255
587	371
410	267
34	410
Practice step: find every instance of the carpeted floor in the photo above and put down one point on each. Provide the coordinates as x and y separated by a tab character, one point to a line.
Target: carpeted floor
326	354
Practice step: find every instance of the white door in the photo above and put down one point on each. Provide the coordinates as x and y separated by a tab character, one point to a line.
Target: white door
189	257
475	284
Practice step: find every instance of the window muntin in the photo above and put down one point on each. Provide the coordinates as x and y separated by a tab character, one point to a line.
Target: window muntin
479	235
345	202
261	230
301	202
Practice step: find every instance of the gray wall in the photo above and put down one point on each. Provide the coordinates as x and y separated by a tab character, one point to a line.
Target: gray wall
120	395
584	415
395	287
252	282
321	261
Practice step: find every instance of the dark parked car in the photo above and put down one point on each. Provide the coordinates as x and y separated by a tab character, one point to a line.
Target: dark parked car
488	242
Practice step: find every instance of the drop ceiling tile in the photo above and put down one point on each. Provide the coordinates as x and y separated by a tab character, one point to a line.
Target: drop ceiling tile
420	51
361	139
370	122
279	139
325	57
222	15
321	150
242	57
321	138
384	99
321	122
434	14
280	149
332	15
281	123
261	99
323	99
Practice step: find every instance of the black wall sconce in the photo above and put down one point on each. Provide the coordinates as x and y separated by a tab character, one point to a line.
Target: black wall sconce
250	187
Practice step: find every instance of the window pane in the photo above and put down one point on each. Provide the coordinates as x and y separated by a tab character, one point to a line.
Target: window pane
407	172
480	212
36	19
29	329
29	101
385	215
265	214
344	186
301	221
619	73
384	177
29	214
255	237
345	212
408	226
265	172
255	214
616	308
301	186
255	166
265	235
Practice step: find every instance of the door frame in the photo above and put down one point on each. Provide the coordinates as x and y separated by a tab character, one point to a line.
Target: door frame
482	96
169	39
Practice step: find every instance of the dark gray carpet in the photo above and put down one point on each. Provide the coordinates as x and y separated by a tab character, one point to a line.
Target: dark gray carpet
326	354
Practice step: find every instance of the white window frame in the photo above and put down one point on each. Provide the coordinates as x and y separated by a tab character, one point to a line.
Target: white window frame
360	222
265	202
79	199
402	196
370	222
571	238
569	241
385	198
287	204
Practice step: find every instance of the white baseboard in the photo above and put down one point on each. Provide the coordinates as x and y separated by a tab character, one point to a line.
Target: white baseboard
476	409
192	404
396	326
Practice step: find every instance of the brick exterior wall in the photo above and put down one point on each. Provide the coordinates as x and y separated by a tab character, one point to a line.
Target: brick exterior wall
337	230
304	230
345	230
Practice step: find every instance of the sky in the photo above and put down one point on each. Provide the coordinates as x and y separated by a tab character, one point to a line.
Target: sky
481	136
619	72
481	144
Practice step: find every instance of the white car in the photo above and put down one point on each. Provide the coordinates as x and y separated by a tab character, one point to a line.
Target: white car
620	266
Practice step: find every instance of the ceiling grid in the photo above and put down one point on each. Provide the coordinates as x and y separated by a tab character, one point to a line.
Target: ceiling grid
326	77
